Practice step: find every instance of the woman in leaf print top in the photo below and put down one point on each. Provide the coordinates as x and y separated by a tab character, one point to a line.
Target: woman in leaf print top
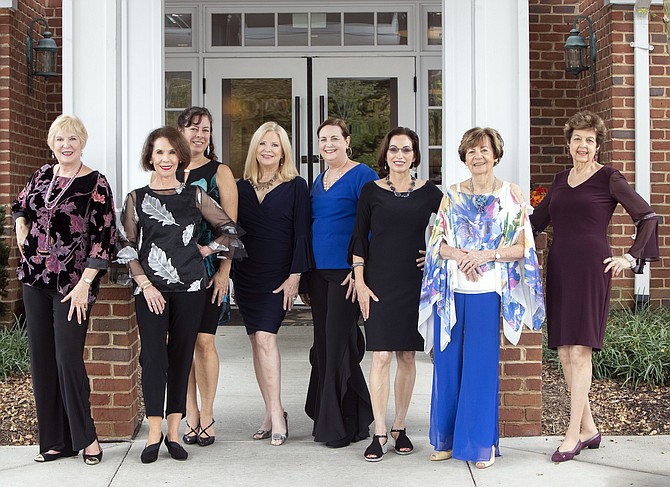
161	223
65	232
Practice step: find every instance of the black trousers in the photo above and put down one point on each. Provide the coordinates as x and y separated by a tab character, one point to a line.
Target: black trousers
337	398
60	382
168	340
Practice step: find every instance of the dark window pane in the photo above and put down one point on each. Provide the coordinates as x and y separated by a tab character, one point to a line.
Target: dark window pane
226	29
435	88
434	28
292	29
259	29
435	165
392	29
435	126
178	89
178	30
326	29
359	29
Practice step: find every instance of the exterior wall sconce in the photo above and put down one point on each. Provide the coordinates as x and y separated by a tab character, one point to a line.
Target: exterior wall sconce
46	52
576	59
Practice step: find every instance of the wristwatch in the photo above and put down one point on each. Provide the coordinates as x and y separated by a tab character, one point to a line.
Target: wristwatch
498	255
631	260
87	280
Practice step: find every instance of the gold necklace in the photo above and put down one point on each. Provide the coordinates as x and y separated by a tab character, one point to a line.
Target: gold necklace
258	187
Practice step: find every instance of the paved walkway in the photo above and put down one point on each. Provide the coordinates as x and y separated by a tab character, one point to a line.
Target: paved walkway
236	460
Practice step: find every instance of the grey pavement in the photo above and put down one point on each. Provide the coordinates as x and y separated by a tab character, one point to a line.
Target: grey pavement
235	459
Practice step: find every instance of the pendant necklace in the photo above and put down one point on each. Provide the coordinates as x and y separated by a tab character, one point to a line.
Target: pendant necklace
480	199
403	194
51	205
258	187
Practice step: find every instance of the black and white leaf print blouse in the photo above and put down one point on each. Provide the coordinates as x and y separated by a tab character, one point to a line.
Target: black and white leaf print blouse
160	231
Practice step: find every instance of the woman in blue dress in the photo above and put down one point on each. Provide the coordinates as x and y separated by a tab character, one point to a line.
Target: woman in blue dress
195	123
338	400
274	207
480	258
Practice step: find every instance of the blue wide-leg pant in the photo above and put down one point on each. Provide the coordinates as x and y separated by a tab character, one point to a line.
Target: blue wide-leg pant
464	402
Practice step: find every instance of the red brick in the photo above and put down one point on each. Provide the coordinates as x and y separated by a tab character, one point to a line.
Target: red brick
112	384
522	399
111	414
523	369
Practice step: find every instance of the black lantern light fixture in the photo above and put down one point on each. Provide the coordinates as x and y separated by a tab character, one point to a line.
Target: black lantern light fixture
576	59
43	63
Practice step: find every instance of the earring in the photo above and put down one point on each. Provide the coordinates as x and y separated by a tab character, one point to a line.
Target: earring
53	156
349	152
386	166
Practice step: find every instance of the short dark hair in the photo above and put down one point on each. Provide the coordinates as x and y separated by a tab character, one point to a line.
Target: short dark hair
338	122
177	141
386	143
475	135
585	120
193	116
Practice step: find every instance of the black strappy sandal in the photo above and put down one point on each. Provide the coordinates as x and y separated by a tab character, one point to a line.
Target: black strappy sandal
203	431
375	452
188	438
403	446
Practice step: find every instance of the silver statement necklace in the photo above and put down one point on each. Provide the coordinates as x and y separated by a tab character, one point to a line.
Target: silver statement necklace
480	199
258	187
403	194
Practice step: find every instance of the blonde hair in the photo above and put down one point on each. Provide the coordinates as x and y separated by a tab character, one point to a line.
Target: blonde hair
67	122
287	170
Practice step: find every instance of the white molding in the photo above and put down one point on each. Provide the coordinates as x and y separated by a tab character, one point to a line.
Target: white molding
8	4
632	2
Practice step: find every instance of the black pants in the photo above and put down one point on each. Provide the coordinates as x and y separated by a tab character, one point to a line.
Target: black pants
168	340
60	382
337	399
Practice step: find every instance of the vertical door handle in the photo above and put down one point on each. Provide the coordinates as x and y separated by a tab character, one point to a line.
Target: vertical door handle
298	129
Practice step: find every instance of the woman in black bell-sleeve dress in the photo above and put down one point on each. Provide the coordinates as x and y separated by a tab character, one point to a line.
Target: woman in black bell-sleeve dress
274	211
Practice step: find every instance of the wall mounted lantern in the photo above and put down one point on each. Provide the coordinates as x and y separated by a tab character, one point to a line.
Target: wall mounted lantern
576	59
43	63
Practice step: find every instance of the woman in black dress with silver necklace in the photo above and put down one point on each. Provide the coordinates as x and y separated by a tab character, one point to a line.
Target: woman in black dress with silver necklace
393	212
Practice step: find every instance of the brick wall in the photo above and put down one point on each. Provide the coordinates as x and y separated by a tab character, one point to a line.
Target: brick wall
556	95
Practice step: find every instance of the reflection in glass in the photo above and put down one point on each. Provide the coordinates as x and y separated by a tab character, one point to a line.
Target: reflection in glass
435	165
434	87
359	29
178	30
326	29
392	28
259	29
434	30
171	117
226	29
292	29
178	89
246	105
434	126
369	107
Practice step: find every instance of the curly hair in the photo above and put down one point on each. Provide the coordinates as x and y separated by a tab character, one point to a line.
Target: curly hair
585	120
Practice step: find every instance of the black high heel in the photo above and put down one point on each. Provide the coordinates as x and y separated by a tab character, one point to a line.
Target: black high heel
188	438
177	451
403	445
375	452
50	457
150	452
93	459
203	431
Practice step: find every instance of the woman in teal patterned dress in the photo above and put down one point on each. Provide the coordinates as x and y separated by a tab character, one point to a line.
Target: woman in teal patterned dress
480	258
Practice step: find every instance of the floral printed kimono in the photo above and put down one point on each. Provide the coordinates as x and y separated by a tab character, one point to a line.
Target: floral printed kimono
461	225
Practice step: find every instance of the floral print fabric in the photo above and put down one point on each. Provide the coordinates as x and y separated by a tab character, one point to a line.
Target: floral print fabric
79	232
499	224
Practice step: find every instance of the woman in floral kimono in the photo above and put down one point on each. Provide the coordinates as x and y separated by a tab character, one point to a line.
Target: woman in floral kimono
161	223
480	257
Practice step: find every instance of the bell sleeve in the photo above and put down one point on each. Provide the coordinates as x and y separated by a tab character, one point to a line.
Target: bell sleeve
102	226
130	237
19	208
359	244
645	246
226	234
302	221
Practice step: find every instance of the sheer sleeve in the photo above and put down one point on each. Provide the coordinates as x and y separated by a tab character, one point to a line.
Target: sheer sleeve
102	226
541	219
130	237
645	219
19	205
226	234
359	243
302	222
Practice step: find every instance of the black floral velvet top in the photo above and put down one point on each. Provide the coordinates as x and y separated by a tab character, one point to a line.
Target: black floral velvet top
160	232
78	232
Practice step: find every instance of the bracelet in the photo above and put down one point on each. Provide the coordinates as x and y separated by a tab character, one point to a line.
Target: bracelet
87	280
357	264
146	285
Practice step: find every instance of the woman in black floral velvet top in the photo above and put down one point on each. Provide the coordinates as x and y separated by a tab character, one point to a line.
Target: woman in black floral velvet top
65	232
161	224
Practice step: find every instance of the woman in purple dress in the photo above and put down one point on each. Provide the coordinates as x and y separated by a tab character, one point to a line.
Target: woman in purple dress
579	206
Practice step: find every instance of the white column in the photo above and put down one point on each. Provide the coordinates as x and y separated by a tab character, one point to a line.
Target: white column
487	79
113	81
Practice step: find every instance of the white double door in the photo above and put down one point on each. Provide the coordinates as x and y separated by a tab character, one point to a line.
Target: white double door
372	95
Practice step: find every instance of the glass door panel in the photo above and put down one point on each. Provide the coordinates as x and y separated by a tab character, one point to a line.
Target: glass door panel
244	94
372	95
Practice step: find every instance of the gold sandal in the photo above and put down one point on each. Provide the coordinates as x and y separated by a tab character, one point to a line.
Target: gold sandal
488	463
438	456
